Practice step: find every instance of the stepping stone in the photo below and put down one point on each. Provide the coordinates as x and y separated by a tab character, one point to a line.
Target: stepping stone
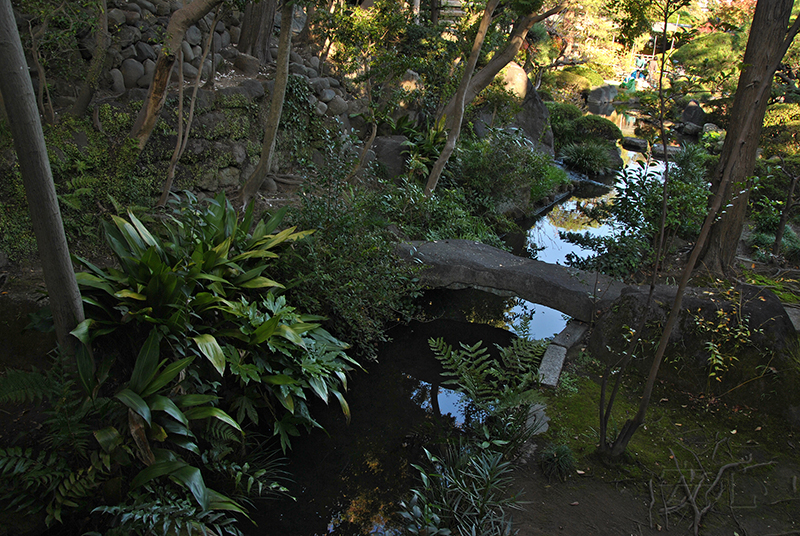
552	361
571	334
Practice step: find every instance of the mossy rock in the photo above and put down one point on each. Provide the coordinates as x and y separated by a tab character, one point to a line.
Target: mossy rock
567	79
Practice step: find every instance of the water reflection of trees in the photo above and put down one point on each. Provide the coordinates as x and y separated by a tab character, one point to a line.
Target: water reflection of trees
576	215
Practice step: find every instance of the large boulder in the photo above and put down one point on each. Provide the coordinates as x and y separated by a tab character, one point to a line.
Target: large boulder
389	154
693	113
602	95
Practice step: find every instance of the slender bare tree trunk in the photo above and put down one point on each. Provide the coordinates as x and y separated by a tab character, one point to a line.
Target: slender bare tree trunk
254	182
26	129
179	22
458	110
97	64
484	77
770	38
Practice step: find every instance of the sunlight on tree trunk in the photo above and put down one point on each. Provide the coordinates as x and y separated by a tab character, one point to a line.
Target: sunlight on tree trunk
275	109
26	129
179	22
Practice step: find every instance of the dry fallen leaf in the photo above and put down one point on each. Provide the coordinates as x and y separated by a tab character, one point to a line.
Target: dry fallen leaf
574	504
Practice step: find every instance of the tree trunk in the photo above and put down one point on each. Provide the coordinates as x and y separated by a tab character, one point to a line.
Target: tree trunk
179	22
259	175
26	129
97	64
484	77
460	98
257	26
766	46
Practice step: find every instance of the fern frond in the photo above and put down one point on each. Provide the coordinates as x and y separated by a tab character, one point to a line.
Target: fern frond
19	386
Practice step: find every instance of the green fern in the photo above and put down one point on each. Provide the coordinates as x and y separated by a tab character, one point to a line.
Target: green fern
27	477
20	386
470	369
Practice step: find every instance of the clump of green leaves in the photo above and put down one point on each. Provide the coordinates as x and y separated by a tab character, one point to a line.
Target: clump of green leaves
590	158
557	461
635	215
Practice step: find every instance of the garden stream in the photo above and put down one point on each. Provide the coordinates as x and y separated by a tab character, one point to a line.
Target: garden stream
347	479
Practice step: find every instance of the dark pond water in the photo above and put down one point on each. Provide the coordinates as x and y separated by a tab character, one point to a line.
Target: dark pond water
349	479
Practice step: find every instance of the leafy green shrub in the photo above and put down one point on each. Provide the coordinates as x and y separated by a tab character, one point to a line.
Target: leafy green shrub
348	269
596	127
185	315
591	158
557	461
500	167
562	117
635	214
762	243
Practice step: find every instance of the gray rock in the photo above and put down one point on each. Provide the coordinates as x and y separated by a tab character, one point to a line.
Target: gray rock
533	120
693	113
298	68
116	17
136	94
635	144
189	71
151	36
144	51
389	153
132	17
238	153
188	53
295	57
193	35
602	94
117	81
318	84
337	106
127	52
149	66
550	367
145	80
247	64
227	92
320	108
711	127
225	38
128	35
208	181
144	4
132	71
236	33
514	77
229	53
254	88
220	27
274	52
175	5
334	82
163	8
208	69
229	177
357	106
216	42
326	95
311	73
691	129
205	100
198	51
313	62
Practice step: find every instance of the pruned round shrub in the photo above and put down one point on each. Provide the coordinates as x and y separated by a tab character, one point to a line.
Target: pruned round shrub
594	126
562	117
582	70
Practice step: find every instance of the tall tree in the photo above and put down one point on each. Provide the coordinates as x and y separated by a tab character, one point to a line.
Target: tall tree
460	98
37	178
179	22
471	85
97	64
484	77
257	26
770	38
254	182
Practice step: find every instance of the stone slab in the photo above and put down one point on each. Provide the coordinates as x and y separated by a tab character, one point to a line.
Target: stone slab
552	361
571	334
